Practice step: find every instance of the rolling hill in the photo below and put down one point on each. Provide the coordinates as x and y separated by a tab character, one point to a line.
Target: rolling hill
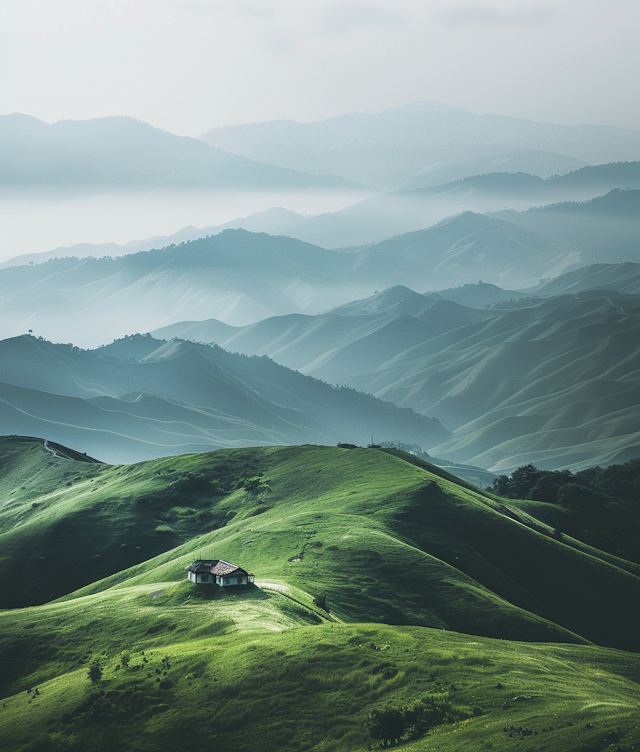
141	398
387	148
236	276
548	381
241	277
123	153
423	585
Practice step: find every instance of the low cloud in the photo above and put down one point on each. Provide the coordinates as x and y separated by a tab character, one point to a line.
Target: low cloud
343	18
487	15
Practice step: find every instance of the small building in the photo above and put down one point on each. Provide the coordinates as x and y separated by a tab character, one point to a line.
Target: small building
218	572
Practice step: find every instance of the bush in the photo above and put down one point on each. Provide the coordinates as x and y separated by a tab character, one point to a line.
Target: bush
95	671
392	724
386	725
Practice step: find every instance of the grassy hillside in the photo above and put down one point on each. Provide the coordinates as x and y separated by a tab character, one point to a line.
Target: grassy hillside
373	571
384	538
238	686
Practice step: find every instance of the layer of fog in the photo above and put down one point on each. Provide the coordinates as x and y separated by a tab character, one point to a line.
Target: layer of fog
35	225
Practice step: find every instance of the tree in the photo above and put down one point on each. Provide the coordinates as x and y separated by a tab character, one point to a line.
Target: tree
95	671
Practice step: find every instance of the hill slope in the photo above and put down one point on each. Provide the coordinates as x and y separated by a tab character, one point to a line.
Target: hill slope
552	382
374	531
240	277
385	539
607	228
141	398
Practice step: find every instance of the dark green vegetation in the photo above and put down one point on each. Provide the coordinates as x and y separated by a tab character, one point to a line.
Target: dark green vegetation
141	660
140	398
119	152
551	381
598	505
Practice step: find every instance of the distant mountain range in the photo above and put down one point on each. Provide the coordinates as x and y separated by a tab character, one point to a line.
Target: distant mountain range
123	153
241	277
141	398
543	164
596	221
606	228
549	381
400	211
388	148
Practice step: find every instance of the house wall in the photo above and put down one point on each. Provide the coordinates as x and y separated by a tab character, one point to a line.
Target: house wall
223	581
231	580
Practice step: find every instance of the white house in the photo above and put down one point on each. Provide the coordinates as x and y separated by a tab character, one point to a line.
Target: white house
217	572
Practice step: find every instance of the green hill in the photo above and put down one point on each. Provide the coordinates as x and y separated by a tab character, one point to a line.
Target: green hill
373	571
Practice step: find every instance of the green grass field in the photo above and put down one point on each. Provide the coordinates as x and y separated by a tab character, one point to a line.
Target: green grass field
434	589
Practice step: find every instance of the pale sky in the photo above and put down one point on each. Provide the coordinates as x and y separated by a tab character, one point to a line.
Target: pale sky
189	65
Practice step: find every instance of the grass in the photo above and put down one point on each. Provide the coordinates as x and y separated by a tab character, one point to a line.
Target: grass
234	683
457	592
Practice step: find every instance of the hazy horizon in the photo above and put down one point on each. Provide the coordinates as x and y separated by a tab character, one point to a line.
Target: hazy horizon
188	66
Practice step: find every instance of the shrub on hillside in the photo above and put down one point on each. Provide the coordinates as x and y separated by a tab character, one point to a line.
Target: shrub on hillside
95	671
394	724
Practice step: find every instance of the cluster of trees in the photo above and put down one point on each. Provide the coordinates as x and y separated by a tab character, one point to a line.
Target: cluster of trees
601	505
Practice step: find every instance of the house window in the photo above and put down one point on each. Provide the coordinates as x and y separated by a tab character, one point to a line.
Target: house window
204	578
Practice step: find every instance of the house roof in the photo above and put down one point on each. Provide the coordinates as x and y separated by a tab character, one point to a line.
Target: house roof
214	566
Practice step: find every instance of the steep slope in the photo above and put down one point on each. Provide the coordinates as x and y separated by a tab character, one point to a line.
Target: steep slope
548	381
142	398
117	152
622	278
388	147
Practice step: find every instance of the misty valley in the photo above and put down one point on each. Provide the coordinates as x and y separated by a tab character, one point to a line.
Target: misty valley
349	461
